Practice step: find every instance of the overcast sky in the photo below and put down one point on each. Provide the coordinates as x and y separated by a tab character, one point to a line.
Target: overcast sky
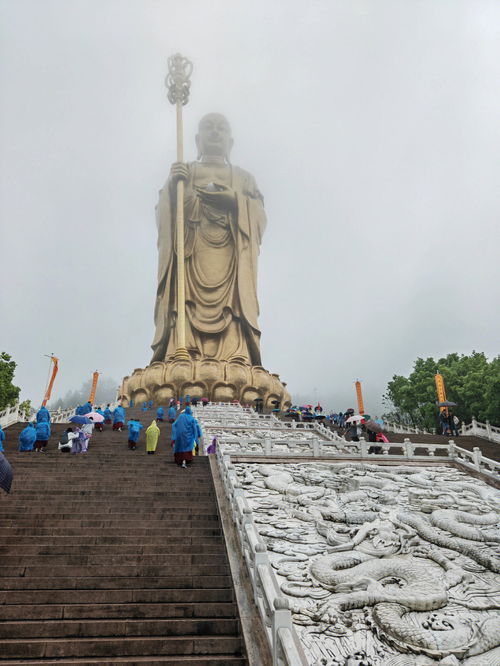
371	127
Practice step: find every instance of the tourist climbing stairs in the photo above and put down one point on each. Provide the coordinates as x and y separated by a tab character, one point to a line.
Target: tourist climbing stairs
114	557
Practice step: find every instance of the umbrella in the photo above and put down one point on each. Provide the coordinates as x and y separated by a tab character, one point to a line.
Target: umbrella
447	403
95	416
80	420
355	418
259	400
349	411
5	473
373	426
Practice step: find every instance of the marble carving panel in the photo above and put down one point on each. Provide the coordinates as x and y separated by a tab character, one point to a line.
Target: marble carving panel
383	566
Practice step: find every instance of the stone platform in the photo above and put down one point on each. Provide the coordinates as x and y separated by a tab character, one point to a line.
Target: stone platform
219	381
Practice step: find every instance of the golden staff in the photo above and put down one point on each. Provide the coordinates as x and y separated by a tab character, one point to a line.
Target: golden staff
178	84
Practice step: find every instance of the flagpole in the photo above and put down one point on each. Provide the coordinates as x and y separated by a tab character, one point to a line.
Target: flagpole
178	84
49	356
55	370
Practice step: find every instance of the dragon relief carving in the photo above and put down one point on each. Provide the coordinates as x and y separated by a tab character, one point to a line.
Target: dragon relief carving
383	566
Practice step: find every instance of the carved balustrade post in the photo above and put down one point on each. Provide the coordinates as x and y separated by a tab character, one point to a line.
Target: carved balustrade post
452	449
282	619
476	457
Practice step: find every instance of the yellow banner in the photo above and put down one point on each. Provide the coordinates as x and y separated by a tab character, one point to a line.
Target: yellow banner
441	392
361	407
55	369
95	377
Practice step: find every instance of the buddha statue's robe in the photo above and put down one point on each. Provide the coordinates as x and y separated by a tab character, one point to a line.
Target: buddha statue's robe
221	251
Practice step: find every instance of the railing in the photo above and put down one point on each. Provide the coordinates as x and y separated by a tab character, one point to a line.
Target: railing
13	415
273	606
484	430
401	428
348	450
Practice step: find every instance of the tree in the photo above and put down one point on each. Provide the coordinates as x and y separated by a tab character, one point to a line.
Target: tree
25	407
472	382
9	393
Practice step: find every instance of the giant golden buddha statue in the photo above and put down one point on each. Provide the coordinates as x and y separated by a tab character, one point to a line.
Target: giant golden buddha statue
224	221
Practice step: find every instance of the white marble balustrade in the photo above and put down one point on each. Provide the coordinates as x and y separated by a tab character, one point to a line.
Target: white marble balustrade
272	605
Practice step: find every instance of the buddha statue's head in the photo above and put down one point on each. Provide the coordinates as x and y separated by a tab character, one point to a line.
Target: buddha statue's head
214	137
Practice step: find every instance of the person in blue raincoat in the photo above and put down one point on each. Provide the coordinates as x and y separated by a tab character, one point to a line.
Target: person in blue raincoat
118	418
145	406
43	415
42	435
160	413
172	414
2	438
27	438
108	414
134	430
185	434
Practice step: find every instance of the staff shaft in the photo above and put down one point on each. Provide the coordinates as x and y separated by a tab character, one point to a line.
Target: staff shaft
181	293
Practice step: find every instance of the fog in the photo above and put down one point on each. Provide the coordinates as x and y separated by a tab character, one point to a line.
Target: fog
371	127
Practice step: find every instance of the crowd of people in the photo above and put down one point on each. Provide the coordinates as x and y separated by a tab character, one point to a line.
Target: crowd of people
185	428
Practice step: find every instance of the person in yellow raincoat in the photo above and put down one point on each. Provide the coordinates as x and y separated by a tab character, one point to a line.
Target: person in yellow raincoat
152	434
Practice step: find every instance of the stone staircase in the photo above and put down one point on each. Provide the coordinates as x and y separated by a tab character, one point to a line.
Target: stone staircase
114	557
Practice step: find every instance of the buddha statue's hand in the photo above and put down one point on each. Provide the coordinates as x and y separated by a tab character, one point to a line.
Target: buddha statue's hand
222	198
178	171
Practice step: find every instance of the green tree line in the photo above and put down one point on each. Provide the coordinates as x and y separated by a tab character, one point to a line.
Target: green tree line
473	382
9	393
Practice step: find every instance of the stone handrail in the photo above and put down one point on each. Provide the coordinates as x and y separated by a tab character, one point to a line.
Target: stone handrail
343	450
13	415
484	430
402	428
272	605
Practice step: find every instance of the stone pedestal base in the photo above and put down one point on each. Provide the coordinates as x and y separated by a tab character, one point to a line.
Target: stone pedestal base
219	381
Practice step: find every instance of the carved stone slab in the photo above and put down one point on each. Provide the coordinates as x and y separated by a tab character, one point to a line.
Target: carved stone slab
383	566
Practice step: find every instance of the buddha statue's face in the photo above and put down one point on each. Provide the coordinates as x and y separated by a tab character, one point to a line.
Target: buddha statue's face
214	136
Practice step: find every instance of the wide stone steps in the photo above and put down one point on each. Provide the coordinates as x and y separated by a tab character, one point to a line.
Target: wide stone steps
98	628
109	582
207	660
84	548
72	611
143	596
123	646
114	557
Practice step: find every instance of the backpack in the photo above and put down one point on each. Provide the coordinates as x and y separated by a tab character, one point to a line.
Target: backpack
64	438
